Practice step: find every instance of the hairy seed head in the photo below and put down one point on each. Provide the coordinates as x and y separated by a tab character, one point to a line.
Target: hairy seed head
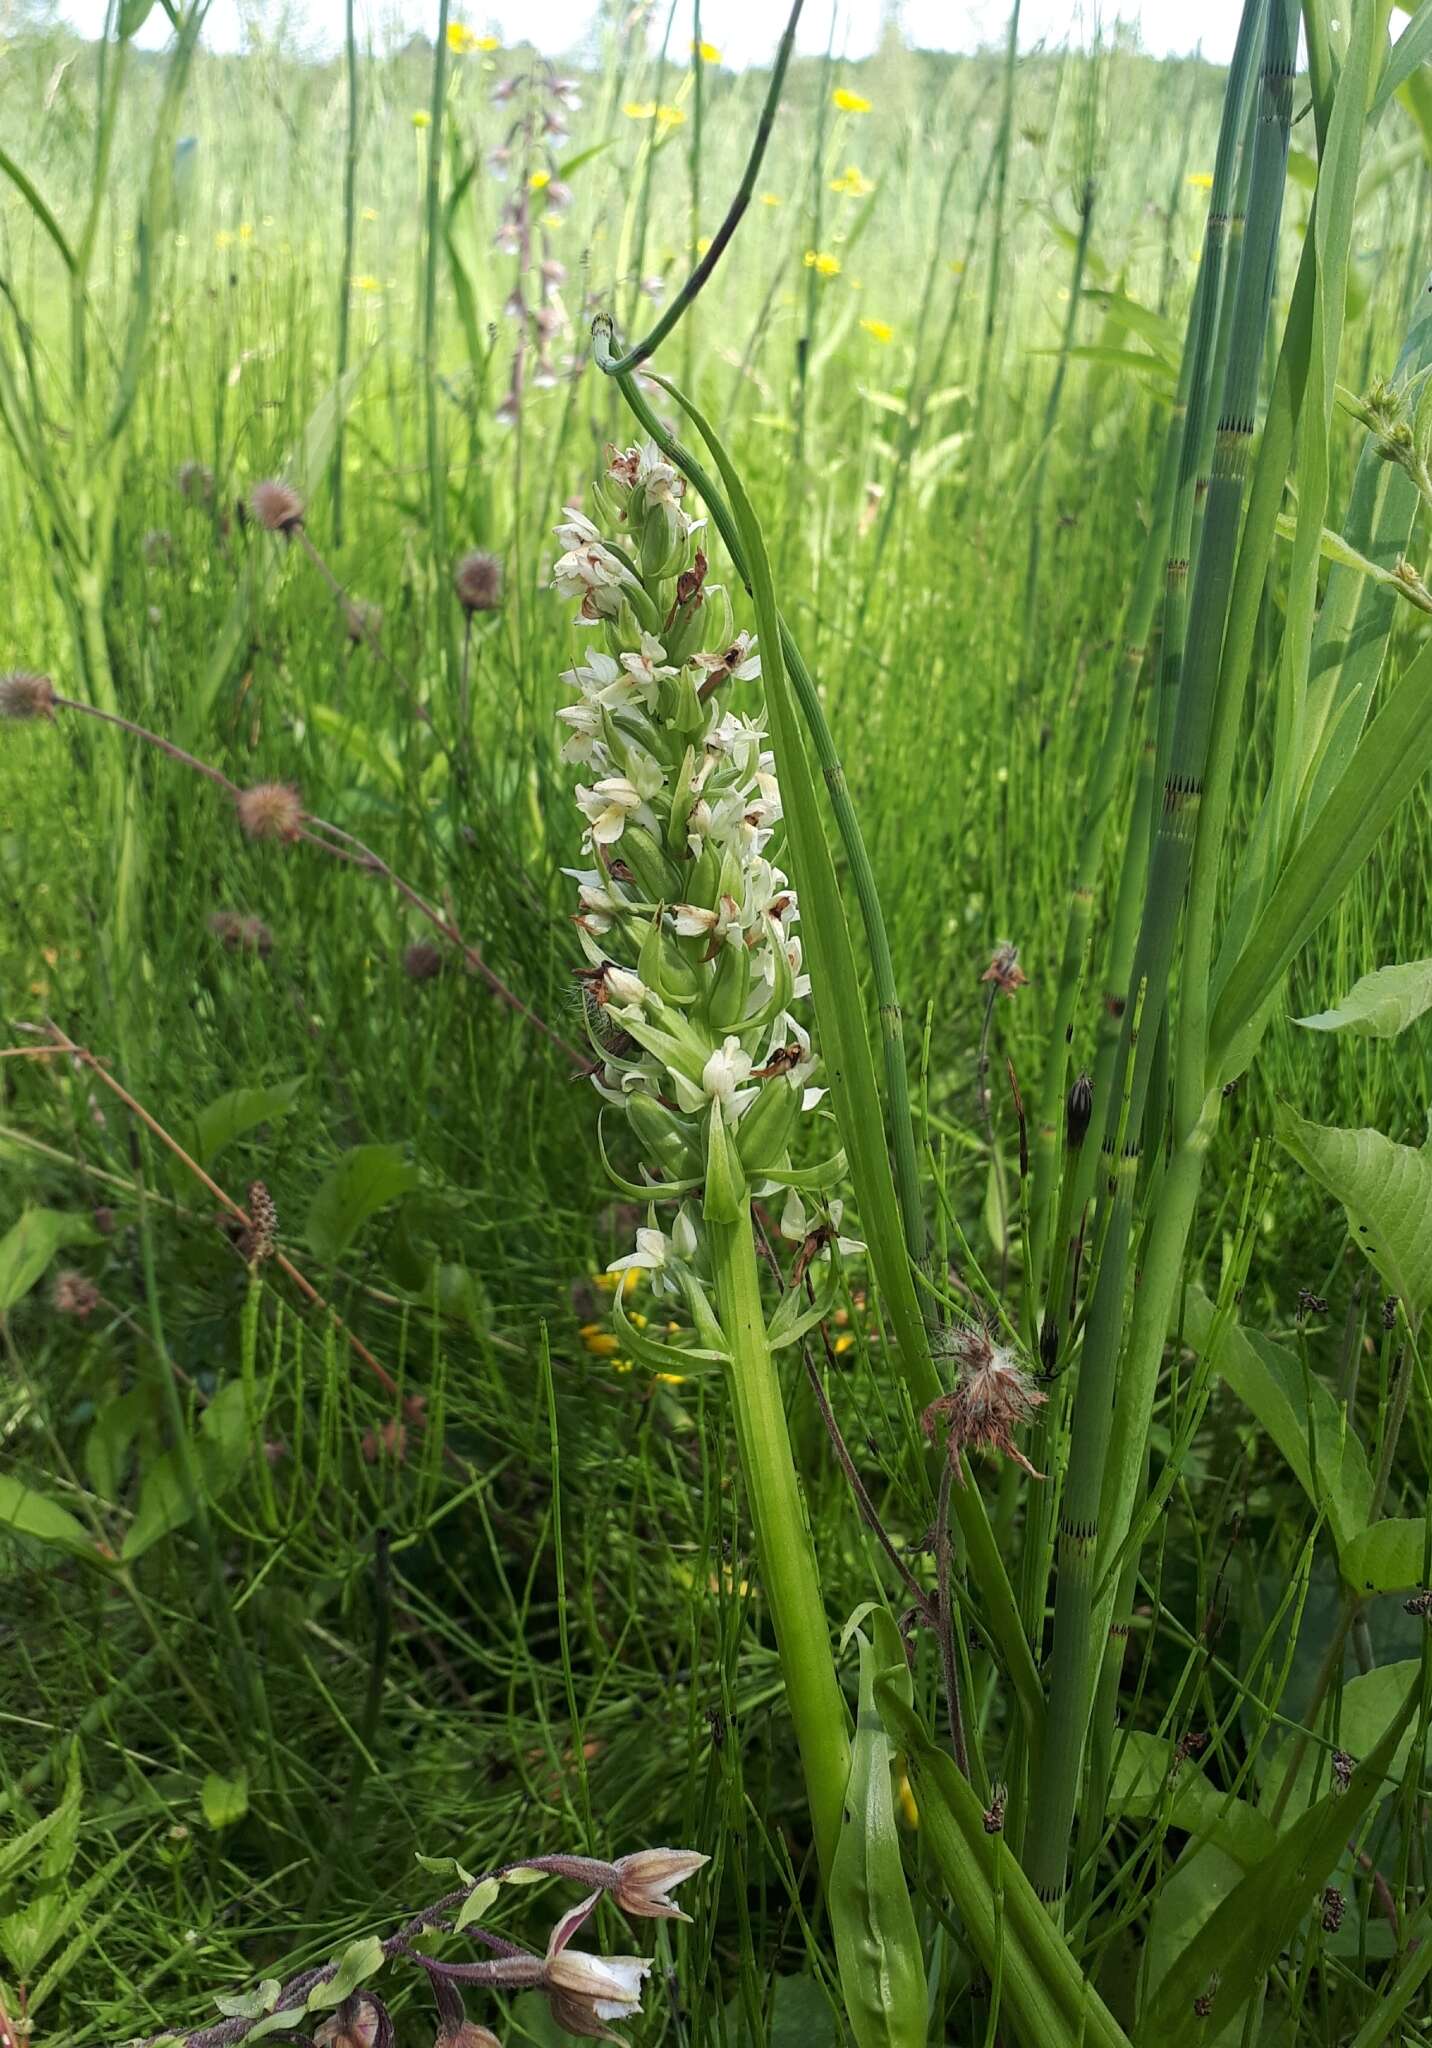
276	506
271	810
23	695
477	580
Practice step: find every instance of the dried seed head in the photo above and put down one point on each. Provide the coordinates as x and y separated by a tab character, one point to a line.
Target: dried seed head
241	934
994	1813
196	483
276	506
1343	1768
24	695
992	1396
1078	1110
477	580
271	810
75	1294
423	961
1334	1905
1419	1606
1389	1313
1004	969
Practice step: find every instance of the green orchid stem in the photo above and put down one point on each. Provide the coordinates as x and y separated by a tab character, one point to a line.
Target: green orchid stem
784	1549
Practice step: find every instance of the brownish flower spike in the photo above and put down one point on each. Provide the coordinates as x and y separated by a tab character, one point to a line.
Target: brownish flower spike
23	695
271	810
276	506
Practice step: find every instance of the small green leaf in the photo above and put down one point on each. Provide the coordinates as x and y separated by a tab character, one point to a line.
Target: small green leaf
250	2005
1152	1779
224	1801
1380	1005
28	1247
364	1181
1386	1190
444	1866
358	1962
283	2022
1390	1557
219	1453
476	1903
33	1514
229	1116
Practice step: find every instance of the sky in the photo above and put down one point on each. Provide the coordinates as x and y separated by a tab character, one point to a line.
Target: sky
745	31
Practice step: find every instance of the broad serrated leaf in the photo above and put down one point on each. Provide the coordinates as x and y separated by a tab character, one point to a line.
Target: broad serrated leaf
1380	1005
364	1181
1386	1190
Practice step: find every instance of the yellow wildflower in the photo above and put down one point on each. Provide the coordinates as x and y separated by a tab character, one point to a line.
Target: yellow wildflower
621	1365
707	52
844	1344
370	213
703	245
488	43
422	119
460	38
669	117
852	182
671	1379
958	266
639	110
366	283
608	1282
246	231
850	102
223	240
1201	181
822	263
539	181
601	1343
771	199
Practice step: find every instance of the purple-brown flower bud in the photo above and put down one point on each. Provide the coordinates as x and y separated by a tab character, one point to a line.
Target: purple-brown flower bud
271	810
644	1880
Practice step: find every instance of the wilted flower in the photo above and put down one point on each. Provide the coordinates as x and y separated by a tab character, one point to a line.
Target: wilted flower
739	662
270	810
1004	969
992	1396
25	695
645	1879
75	1294
277	507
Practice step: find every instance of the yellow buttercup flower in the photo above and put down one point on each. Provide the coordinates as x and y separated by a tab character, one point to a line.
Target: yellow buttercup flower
852	182
422	119
824	264
639	110
366	283
771	199
707	52
608	1282
246	231
671	1379
703	245
223	240
669	117
601	1343
850	102
460	38
1202	181
540	180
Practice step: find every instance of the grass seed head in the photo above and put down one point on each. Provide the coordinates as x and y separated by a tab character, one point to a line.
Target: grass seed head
271	810
277	507
24	695
477	580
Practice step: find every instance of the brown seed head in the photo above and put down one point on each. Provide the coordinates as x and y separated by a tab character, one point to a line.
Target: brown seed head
24	695
1004	969
271	810
992	1397
75	1294
258	1243
477	580
276	506
422	961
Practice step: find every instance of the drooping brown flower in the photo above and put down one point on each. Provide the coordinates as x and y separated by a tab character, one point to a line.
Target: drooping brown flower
477	580
276	506
645	1879
271	810
25	695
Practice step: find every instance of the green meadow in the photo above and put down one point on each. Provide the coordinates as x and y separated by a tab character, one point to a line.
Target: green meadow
714	1095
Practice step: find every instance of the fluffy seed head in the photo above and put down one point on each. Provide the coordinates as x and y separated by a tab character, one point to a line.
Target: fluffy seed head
478	582
271	810
75	1294
23	695
276	506
992	1396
